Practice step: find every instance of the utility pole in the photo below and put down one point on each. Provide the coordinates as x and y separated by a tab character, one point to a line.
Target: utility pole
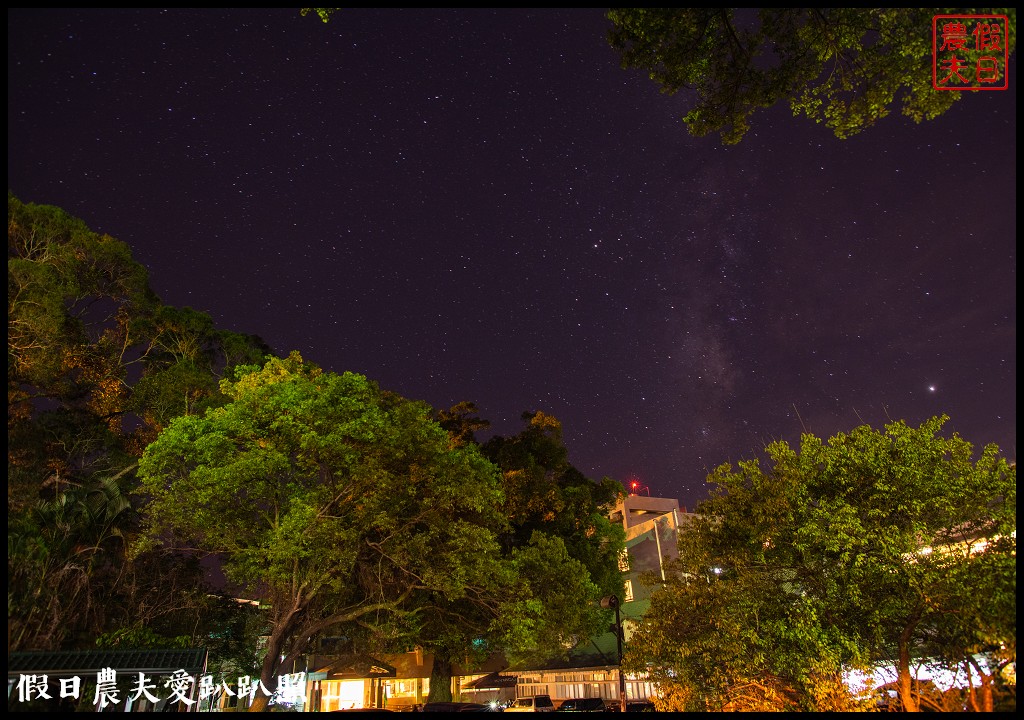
612	603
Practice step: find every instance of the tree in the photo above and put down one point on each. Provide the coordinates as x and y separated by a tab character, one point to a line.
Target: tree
58	555
71	294
975	633
848	553
548	604
462	422
545	493
89	346
846	67
323	13
95	365
559	553
338	505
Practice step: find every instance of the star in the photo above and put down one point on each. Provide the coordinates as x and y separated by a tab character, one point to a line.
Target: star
442	248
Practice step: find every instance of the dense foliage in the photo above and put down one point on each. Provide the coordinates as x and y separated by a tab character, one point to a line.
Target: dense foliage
875	547
323	13
845	67
96	366
339	505
558	541
348	510
345	509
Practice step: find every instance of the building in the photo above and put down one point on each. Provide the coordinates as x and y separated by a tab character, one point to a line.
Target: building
398	682
652	528
72	680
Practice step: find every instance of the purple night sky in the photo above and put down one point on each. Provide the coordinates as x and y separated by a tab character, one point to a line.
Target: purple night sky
482	205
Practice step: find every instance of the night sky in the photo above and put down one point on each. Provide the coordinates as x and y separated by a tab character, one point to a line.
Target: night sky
482	205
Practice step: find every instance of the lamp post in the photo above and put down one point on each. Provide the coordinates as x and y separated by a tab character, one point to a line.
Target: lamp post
612	603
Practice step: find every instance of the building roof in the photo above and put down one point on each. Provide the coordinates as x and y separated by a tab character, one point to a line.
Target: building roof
350	667
491	681
633	510
69	663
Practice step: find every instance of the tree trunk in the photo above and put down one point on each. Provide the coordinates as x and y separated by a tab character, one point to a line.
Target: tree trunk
270	667
259	703
903	679
441	678
972	695
985	690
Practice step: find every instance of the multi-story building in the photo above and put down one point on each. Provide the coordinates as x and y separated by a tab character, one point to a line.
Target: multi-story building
652	526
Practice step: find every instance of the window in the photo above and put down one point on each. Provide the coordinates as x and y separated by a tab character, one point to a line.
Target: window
571	690
624	561
629	591
339	694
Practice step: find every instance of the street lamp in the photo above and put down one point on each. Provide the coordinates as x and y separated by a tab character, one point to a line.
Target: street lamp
612	603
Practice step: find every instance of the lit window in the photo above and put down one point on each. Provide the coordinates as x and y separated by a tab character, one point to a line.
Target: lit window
629	591
624	561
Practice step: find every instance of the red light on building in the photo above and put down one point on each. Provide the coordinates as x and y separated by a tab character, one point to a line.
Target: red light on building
636	487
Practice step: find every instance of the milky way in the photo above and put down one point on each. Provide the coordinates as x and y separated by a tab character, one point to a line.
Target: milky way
482	205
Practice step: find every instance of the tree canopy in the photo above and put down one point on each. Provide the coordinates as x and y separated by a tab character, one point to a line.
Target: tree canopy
345	509
96	364
545	493
873	548
558	544
323	13
337	504
845	67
